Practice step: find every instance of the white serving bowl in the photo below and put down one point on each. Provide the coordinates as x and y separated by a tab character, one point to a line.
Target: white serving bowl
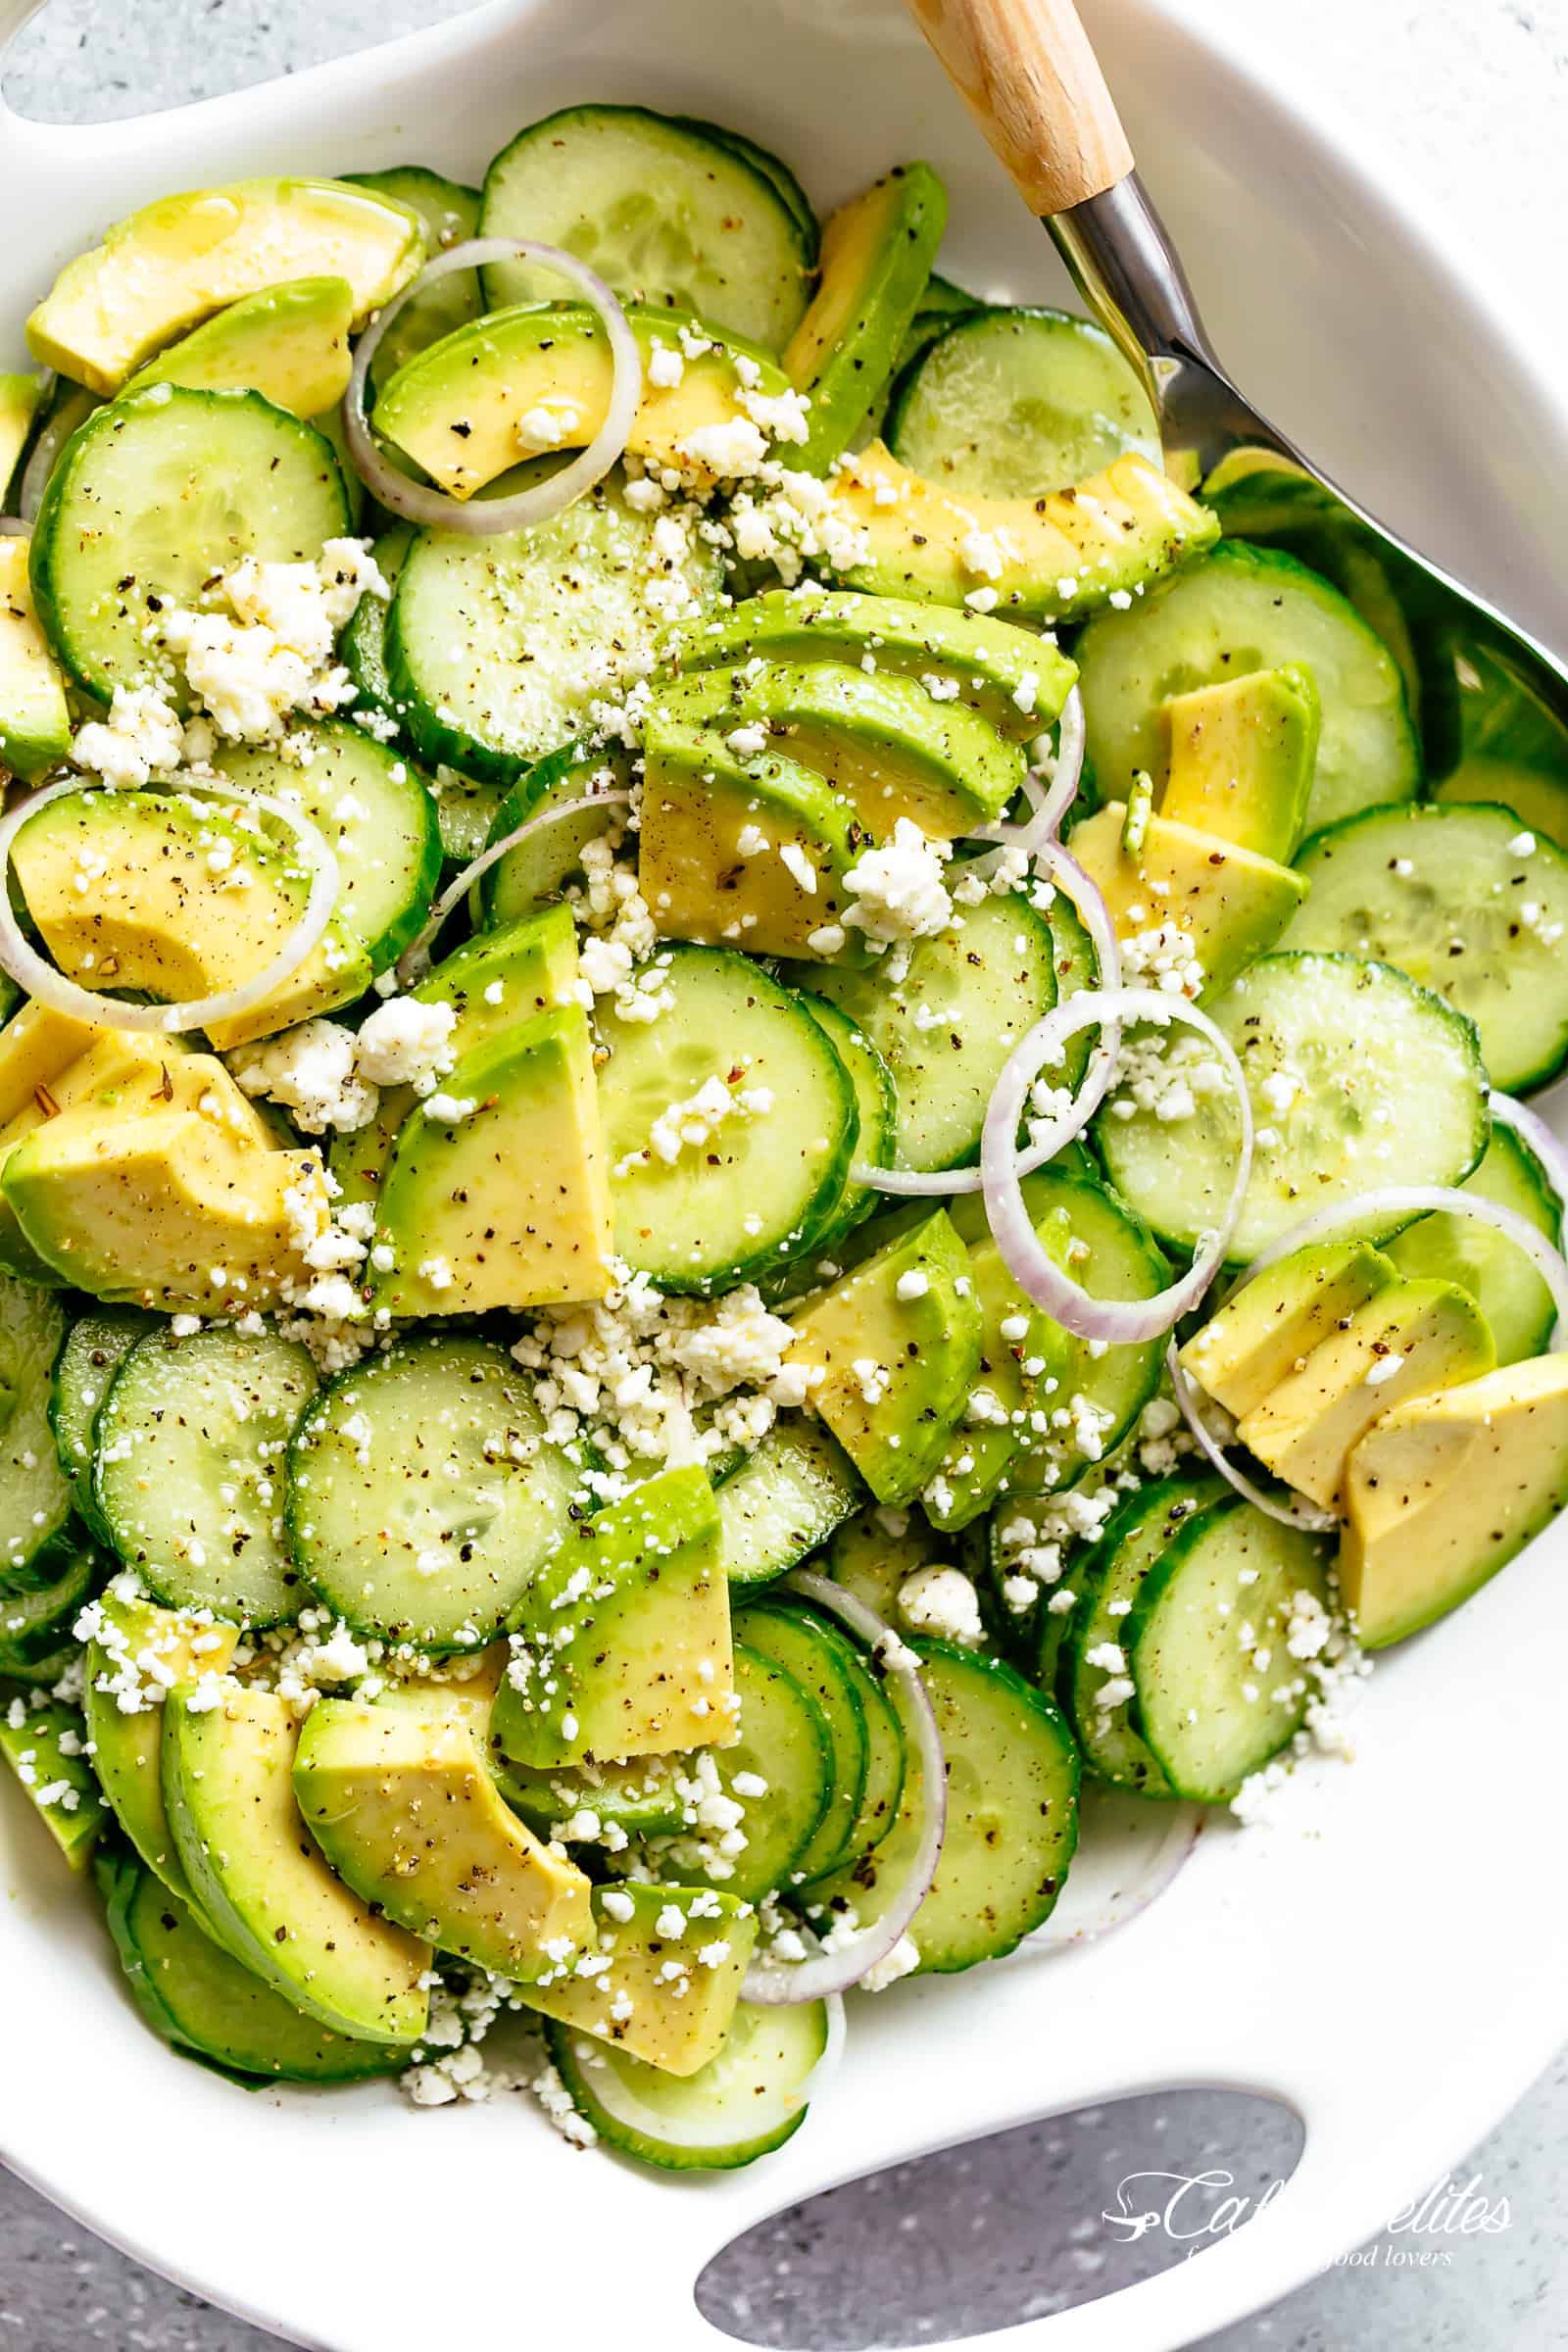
1392	1965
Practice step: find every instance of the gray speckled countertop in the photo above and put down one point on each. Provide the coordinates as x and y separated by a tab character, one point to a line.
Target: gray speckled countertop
1007	2229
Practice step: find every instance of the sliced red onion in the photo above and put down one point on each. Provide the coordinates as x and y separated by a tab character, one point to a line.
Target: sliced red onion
1537	1137
13	527
1297	1512
1118	1321
51	987
417	953
420	501
1129	1853
828	1973
1047	808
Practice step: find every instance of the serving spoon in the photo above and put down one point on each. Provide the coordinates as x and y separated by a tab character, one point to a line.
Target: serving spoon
1478	684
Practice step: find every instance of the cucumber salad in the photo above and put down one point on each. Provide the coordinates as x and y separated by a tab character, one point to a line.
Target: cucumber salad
759	1126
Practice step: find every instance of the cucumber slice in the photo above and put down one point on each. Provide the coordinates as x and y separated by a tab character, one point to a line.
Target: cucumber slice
156	494
1469	905
1014	402
498	648
34	1496
90	1355
466	811
1217	1691
362	647
663	211
1412	1112
1077	967
516	884
784	1500
784	1741
189	1475
450	214
1512	1295
761	1184
1012	1818
946	1028
1244	608
743	2104
35	1624
415	1507
877	1104
884	1760
379	817
772	168
794	1638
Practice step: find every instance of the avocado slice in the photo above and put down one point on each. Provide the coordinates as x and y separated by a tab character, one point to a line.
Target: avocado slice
1241	759
715	828
163	270
1445	1490
896	1371
36	1045
20	397
1272	1324
509	1205
402	1806
659	1998
881	741
34	721
186	900
45	1749
289	342
139	1648
1010	677
263	1886
1018	1370
622	1647
1043	559
460	409
1409	1338
877	252
1232	904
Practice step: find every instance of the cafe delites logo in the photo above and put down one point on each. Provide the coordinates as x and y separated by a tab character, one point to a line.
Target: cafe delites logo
1195	2209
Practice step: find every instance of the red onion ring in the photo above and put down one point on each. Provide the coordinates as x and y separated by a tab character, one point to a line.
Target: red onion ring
51	987
1047	809
1118	1321
13	527
1298	1512
779	1984
420	502
1537	1137
417	953
1155	1844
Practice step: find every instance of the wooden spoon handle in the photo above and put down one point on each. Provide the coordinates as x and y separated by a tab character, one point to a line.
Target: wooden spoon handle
1027	72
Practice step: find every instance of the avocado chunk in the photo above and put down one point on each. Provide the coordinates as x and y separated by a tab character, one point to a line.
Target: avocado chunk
1445	1490
1272	1324
36	1045
1010	677
186	897
163	270
1243	755
1044	559
877	252
1025	1360
895	1345
45	1748
665	1972
290	343
507	1204
728	844
19	399
1409	1338
136	1652
263	1886
402	1806
1232	904
881	741
520	383
621	1645
34	721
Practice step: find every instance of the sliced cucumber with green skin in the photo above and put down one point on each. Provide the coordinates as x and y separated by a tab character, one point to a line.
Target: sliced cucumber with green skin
877	1103
497	648
766	1182
63	408
743	2104
940	304
944	1029
450	214
1014	402
873	1553
1514	1298
784	1743
783	1499
1413	1110
1216	1689
466	811
36	1623
1242	609
664	212
92	1352
517	883
1469	905
1012	1818
157	493
796	1640
1077	967
34	1495
188	1472
415	1506
379	817
885	1752
774	168
362	647
195	1996
1108	1582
